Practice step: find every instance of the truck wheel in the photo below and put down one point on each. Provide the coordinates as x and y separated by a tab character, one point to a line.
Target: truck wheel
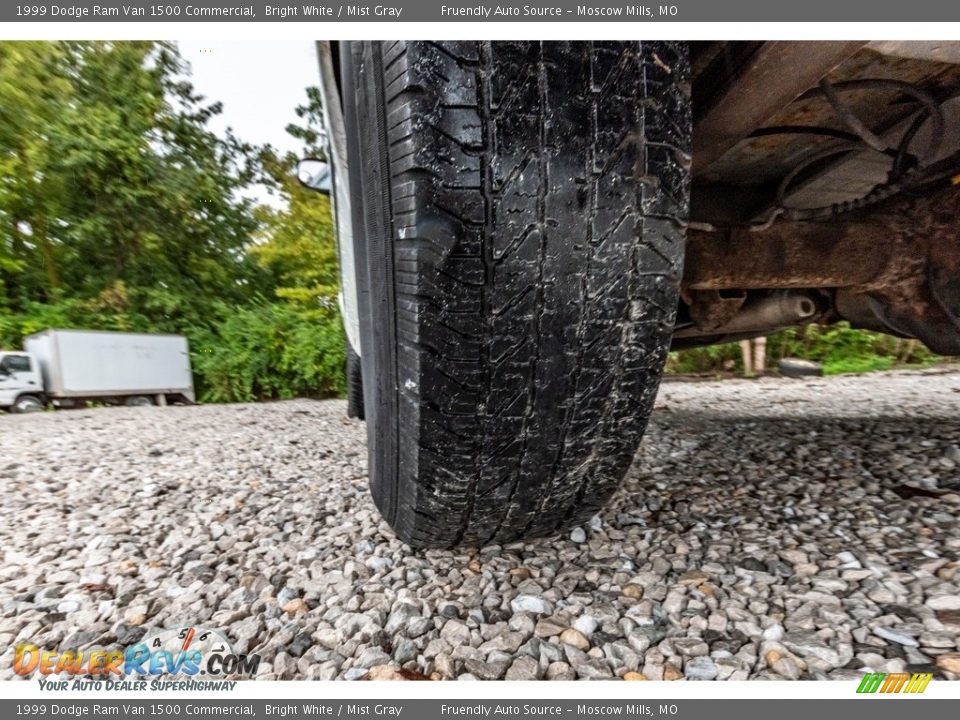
28	404
138	401
519	208
354	385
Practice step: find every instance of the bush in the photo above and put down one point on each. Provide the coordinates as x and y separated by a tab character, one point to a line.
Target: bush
841	366
66	314
271	351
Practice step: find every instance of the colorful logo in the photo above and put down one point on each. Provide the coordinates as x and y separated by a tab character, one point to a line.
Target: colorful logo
895	683
183	652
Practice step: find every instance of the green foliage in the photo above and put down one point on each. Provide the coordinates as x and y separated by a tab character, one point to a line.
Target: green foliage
843	349
270	351
710	359
36	317
296	244
72	313
841	366
121	210
840	348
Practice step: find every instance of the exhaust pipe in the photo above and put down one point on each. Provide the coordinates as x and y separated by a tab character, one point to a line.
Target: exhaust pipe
769	313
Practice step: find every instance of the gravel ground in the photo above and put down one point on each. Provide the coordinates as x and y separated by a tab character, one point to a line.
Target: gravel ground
769	529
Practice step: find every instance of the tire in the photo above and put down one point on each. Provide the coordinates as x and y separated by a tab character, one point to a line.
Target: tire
519	209
28	404
354	385
797	368
139	401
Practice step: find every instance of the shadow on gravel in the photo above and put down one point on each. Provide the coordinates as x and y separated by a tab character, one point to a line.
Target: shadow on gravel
891	482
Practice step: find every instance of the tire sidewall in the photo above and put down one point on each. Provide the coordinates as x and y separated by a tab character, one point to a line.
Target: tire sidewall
369	194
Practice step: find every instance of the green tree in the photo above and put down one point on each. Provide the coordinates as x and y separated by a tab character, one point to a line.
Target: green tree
122	195
32	95
120	209
296	243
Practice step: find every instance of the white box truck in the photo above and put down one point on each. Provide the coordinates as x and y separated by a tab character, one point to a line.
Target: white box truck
66	368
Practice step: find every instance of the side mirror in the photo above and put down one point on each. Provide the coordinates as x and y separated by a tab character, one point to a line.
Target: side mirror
315	174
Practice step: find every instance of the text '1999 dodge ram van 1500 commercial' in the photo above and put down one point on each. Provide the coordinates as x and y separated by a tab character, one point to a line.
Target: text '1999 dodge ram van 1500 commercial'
527	228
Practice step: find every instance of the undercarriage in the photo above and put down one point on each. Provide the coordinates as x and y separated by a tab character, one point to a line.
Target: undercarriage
825	188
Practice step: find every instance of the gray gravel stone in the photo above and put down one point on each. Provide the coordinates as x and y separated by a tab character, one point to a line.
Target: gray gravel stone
944	602
690	647
895	636
446	666
404	651
456	633
487	670
808	645
531	604
522	623
585	666
585	624
508	642
551	653
419	626
700	668
560	671
400	617
524	668
372	657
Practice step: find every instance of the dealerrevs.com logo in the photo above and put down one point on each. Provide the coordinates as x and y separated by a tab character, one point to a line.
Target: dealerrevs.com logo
178	653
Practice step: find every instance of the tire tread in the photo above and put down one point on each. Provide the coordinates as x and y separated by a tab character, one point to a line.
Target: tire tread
538	193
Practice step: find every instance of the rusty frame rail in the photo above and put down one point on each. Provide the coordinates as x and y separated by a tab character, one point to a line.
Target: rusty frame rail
896	269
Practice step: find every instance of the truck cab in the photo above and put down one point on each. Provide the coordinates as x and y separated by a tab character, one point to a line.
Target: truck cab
21	384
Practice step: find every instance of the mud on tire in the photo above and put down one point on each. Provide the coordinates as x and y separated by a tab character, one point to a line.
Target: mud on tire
518	210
